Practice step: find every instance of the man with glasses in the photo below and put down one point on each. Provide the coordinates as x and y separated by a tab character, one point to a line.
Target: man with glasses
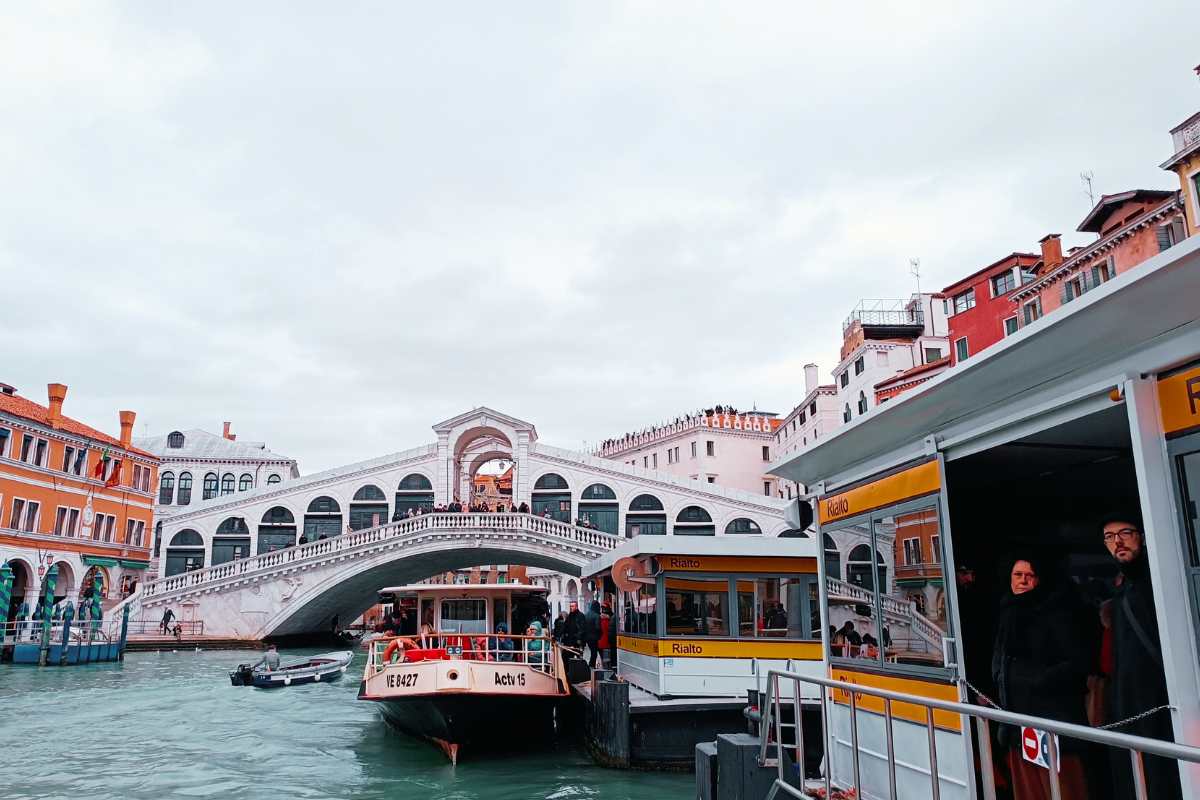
1138	684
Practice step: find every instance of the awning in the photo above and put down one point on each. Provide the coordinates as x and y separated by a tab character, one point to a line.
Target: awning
99	561
130	564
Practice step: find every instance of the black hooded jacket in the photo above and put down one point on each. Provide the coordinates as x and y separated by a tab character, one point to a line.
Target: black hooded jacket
1046	644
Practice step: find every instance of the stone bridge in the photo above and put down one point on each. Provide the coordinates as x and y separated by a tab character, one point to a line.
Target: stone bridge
299	589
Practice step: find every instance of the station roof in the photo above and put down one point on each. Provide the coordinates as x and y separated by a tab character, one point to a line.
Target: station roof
747	546
1152	302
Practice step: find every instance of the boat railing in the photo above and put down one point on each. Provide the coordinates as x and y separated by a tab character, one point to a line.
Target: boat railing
536	652
29	631
778	737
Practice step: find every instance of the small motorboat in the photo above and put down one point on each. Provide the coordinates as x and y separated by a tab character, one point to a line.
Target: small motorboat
318	669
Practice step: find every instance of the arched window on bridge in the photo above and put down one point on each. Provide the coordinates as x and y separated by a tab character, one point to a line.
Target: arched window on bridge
793	533
323	520
694	521
227	483
210	486
742	525
277	530
833	557
645	517
598	507
368	508
273	480
231	541
245	483
166	488
858	568
551	493
185	552
185	489
414	493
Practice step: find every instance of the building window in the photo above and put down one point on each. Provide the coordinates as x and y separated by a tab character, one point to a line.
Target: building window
227	483
185	489
1170	234
862	403
766	453
134	530
1032	310
859	366
245	483
710	448
912	551
767	488
34	450
274	479
935	546
844	379
693	449
166	488
670	456
210	486
960	349
846	413
654	460
1010	326
141	477
74	460
712	478
932	354
1003	284
812	409
881	358
964	301
175	440
24	516
645	461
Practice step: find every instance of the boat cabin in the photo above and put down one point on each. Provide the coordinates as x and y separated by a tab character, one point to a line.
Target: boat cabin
923	503
707	617
465	608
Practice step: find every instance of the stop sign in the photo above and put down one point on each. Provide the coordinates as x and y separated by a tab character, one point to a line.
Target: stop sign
1031	744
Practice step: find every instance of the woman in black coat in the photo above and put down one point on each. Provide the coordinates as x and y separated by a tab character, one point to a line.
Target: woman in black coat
1046	644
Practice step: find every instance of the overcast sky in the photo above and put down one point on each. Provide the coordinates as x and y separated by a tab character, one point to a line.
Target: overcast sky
338	224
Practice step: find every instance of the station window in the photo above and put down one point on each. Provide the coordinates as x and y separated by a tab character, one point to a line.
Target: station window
638	616
779	608
890	608
697	607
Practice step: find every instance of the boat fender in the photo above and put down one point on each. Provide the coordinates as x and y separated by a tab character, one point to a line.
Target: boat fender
343	667
317	677
287	680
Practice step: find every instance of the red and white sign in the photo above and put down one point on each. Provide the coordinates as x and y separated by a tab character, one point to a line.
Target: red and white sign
1035	747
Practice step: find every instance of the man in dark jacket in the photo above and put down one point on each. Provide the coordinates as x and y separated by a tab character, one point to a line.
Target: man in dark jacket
573	627
1137	683
591	632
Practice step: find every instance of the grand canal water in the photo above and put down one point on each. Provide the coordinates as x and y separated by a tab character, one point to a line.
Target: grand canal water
167	725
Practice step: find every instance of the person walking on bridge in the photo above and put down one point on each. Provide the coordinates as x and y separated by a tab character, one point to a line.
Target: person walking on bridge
167	616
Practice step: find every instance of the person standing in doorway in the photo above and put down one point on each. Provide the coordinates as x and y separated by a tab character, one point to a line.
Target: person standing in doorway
1137	683
1042	655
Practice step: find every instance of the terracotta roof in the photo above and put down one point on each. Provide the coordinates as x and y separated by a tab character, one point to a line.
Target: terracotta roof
1011	259
912	372
27	409
1108	203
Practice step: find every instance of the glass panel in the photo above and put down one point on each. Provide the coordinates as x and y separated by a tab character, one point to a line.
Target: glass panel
601	516
1189	478
852	615
229	550
316	528
747	629
645	525
697	607
638	618
467	615
363	515
780	608
913	589
499	612
558	506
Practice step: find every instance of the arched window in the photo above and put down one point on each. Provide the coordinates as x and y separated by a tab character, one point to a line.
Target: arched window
166	488
368	508
231	541
552	494
185	489
323	520
862	403
846	416
174	440
277	530
742	525
645	517
414	493
598	508
245	483
833	558
274	479
793	533
210	486
227	483
184	553
694	521
858	567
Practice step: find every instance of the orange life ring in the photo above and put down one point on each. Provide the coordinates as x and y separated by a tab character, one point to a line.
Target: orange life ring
397	644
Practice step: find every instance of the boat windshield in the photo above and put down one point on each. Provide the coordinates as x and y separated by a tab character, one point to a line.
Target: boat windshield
465	615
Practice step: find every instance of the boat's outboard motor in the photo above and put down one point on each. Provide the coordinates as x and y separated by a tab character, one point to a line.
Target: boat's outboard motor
242	676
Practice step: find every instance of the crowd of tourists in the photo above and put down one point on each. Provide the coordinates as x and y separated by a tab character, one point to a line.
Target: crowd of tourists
456	507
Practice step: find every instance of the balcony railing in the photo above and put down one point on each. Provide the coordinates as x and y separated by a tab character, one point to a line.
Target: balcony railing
885	312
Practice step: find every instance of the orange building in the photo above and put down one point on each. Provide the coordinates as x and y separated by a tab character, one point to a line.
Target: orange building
71	496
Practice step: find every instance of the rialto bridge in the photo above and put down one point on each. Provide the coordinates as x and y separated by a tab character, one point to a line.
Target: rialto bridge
285	559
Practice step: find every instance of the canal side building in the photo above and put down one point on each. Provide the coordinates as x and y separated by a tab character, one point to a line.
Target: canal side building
71	496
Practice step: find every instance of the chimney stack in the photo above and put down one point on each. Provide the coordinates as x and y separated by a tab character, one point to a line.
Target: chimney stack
57	393
127	418
1051	250
230	436
810	378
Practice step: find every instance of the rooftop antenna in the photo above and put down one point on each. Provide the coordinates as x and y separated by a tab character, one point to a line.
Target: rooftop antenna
914	269
1085	178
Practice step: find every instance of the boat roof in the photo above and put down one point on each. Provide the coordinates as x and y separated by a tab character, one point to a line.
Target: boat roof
462	588
1147	313
734	546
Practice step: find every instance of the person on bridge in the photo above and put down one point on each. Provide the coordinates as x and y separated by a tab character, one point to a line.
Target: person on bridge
591	632
1046	642
573	627
1137	684
270	659
523	508
167	616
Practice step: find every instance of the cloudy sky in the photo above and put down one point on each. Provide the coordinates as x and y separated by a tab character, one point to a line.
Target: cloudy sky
337	224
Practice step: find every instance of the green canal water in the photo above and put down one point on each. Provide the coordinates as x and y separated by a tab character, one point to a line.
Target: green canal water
169	725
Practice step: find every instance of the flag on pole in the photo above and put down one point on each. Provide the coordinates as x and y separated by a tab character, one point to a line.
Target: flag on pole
101	465
115	478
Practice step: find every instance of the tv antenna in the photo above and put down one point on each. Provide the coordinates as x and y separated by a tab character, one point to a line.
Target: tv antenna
914	269
1085	178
